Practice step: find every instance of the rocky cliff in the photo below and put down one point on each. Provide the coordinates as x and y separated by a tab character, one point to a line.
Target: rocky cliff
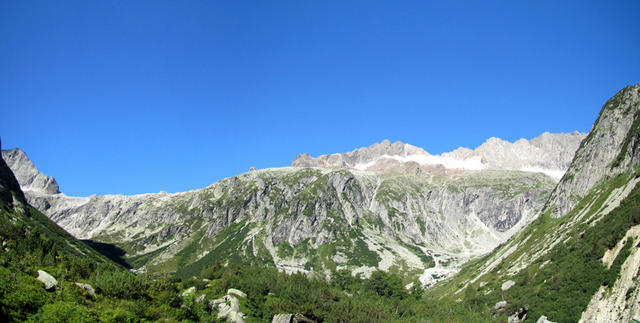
27	174
610	149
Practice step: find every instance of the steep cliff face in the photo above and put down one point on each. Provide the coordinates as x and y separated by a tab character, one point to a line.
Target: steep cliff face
579	259
312	219
611	148
27	174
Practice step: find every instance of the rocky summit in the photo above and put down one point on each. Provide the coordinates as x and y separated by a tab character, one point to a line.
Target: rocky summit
548	153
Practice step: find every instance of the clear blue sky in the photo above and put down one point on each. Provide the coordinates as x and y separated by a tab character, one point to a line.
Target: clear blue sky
143	96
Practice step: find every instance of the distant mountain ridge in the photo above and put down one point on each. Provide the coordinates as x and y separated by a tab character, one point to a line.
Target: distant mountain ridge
548	153
402	213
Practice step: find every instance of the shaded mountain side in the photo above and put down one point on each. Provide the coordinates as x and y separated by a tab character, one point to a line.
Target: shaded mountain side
578	260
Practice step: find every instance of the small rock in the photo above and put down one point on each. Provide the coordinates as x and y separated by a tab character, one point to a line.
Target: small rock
482	284
48	280
233	291
200	298
518	316
87	288
500	305
543	319
299	318
282	318
544	264
508	284
188	292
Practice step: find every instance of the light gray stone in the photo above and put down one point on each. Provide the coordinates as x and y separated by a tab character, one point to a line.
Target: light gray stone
499	305
508	284
282	318
49	281
233	291
87	288
543	319
188	291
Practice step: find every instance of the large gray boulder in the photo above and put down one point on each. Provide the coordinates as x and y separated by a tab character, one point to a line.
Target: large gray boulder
543	319
282	318
236	292
87	288
49	281
499	305
508	284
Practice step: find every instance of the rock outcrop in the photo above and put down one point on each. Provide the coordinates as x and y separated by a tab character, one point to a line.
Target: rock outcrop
228	306
49	281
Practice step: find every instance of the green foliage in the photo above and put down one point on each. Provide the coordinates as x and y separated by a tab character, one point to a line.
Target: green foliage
62	312
119	283
386	284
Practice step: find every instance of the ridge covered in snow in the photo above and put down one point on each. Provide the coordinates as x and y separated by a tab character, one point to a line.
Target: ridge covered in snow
548	153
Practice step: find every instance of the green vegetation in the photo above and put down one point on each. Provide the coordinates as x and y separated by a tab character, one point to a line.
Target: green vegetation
633	134
561	283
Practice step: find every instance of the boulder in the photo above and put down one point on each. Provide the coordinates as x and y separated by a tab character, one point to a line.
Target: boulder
501	304
519	316
86	288
233	291
188	292
48	280
543	319
282	318
508	284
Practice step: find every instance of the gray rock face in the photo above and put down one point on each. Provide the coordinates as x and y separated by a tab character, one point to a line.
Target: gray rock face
49	281
401	219
548	153
611	148
282	318
28	176
10	192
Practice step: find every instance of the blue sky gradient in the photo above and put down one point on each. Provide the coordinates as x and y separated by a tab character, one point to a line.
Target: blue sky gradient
143	96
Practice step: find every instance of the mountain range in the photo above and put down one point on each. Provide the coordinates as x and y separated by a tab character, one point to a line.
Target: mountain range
405	209
547	228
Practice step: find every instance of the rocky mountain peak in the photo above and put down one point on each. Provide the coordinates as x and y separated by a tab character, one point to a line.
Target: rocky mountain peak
28	176
548	153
